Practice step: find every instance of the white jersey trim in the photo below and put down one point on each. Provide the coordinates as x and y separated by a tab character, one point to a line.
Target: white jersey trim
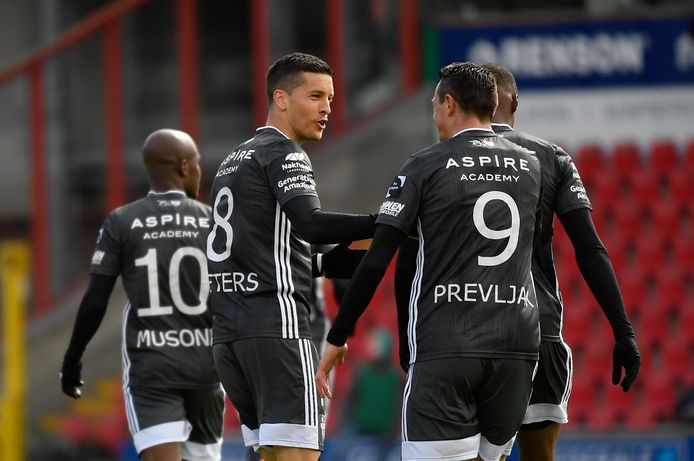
176	431
130	413
414	296
289	435
191	451
442	450
283	273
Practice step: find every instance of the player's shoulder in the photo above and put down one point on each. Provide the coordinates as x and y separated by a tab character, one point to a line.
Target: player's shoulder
198	206
270	144
542	146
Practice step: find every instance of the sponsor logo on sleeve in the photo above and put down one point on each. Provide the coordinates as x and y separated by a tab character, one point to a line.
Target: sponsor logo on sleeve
391	208
396	187
98	257
296	157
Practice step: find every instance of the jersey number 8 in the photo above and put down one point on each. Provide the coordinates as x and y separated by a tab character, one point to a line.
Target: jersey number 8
223	223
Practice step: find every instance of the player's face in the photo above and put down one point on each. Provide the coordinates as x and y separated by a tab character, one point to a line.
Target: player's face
308	107
439	115
192	184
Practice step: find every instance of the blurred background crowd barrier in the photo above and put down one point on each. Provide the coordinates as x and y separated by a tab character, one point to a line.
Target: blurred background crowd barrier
83	82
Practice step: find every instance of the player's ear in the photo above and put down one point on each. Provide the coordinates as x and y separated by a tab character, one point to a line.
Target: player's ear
279	98
183	167
449	103
514	103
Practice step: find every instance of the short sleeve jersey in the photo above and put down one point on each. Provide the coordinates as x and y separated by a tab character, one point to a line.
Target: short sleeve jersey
473	201
562	191
157	245
260	269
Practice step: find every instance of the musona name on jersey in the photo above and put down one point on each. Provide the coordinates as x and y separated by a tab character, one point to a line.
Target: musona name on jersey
475	292
175	338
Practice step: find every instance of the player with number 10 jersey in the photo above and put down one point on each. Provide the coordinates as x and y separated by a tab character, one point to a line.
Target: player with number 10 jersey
156	244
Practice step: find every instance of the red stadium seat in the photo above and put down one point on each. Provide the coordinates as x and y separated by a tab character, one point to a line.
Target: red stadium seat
677	356
606	192
582	400
666	219
629	221
685	318
653	326
644	189
670	284
683	250
625	160
632	284
650	252
577	323
658	392
663	159
689	156
680	185
590	161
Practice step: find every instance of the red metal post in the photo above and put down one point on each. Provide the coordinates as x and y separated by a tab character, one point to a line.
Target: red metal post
260	57
39	198
113	95
334	26
409	44
187	23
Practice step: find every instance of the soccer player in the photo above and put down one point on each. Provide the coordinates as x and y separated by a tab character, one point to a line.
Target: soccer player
174	401
266	213
563	194
473	329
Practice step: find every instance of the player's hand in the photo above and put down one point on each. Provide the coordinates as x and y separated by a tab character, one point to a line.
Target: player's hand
341	261
71	378
332	356
625	355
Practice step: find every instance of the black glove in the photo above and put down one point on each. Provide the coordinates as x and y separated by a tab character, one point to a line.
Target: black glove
71	378
339	262
625	355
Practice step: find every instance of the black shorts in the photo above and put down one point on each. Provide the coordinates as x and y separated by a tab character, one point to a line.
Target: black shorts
271	382
194	417
552	385
456	408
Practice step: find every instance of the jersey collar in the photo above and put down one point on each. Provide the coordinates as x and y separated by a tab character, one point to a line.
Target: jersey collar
502	127
172	191
272	128
473	129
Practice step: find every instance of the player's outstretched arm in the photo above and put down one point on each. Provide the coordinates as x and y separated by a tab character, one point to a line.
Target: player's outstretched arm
339	262
89	316
317	226
597	270
359	292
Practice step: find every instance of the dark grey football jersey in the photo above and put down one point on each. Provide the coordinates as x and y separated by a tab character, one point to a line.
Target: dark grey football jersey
260	269
473	201
562	191
157	244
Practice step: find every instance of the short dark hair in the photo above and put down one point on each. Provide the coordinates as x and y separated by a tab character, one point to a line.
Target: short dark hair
504	78
285	73
472	86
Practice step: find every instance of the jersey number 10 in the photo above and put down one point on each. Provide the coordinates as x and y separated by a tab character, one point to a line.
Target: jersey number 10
150	261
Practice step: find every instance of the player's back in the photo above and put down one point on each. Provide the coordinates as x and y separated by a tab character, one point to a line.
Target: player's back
157	245
562	191
260	270
473	290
